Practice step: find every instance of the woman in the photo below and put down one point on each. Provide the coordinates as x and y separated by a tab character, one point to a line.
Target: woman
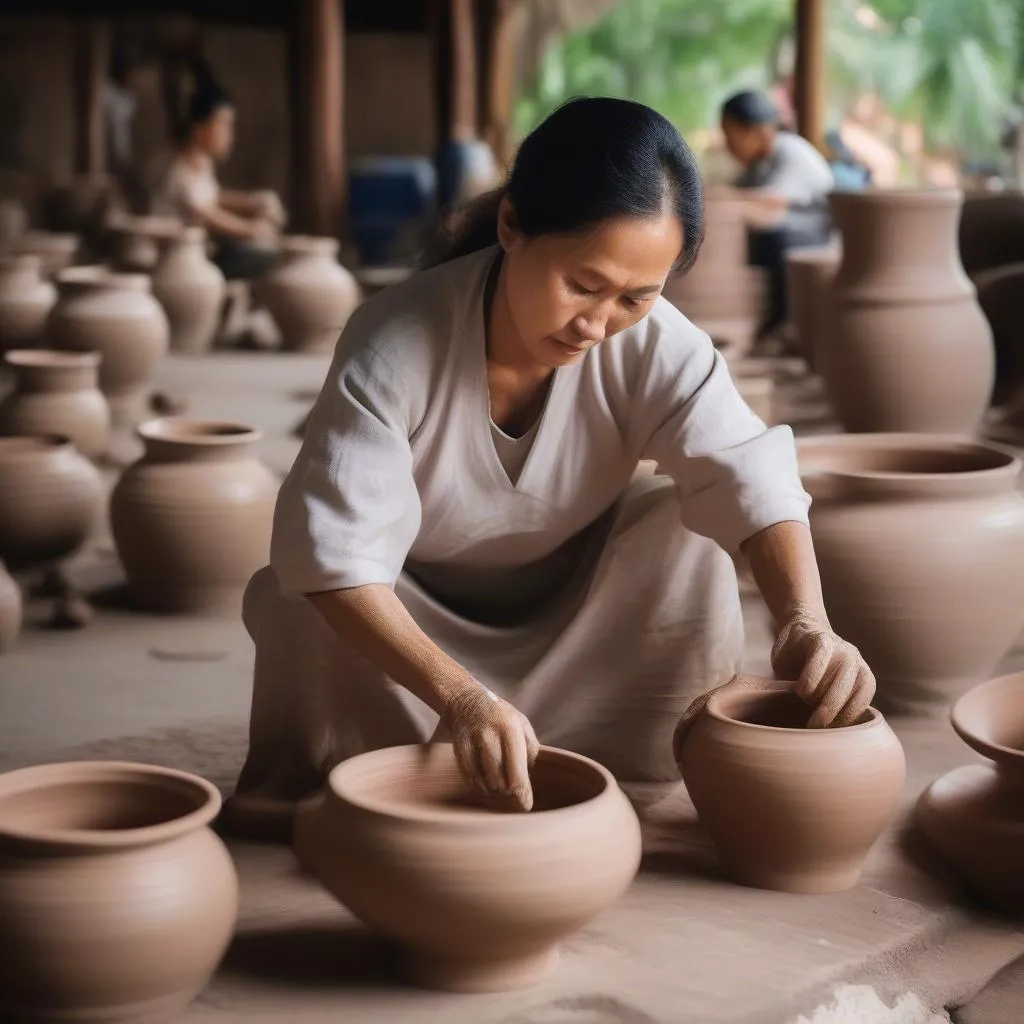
464	543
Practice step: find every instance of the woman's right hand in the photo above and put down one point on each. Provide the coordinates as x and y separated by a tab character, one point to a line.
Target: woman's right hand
495	744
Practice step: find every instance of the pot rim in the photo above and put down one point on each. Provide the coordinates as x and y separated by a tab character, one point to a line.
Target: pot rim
50	241
714	709
44	775
997	752
308	245
50	358
27	261
190	430
903	195
14	445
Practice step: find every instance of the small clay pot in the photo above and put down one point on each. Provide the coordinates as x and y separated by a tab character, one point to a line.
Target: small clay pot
480	898
309	294
57	393
788	807
191	290
118	901
25	301
192	518
50	499
10	610
810	272
56	251
974	816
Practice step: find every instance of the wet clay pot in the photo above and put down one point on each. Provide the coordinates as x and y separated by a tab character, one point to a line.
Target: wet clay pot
191	290
25	301
57	393
51	497
55	251
118	901
480	899
117	316
974	816
192	518
309	294
911	349
788	807
810	272
10	610
920	544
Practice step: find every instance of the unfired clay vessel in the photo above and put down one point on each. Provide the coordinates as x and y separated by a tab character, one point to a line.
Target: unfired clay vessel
25	301
117	316
920	543
479	898
191	290
50	499
139	240
10	610
309	294
57	393
56	251
974	815
118	901
912	350
810	272
192	518
789	807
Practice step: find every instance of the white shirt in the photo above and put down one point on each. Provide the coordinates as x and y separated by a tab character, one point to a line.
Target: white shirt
187	186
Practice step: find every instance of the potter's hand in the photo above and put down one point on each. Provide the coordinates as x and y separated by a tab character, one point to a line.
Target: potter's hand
830	673
494	743
271	208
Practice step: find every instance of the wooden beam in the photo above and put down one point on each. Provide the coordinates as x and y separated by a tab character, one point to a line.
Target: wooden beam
505	37
810	87
463	125
91	64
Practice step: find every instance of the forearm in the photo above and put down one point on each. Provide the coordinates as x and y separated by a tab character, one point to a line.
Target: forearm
242	203
220	221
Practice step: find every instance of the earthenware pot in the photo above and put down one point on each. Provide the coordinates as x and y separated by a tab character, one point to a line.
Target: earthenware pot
912	350
118	901
920	544
309	294
479	898
55	251
191	290
140	240
974	816
192	518
57	393
810	272
50	499
789	807
10	610
116	315
25	301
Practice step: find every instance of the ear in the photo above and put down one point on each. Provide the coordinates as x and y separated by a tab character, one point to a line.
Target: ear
508	225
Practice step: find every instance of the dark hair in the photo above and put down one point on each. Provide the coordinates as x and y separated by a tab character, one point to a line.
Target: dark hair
207	99
591	160
750	108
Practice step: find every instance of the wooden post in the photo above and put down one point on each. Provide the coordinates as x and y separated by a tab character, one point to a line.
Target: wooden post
92	60
810	85
505	34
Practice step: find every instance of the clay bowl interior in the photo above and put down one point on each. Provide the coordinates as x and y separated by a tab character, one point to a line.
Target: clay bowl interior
881	455
990	719
775	710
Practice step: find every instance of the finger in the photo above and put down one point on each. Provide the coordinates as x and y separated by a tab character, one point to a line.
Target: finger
859	701
838	687
517	772
532	743
809	685
468	762
489	752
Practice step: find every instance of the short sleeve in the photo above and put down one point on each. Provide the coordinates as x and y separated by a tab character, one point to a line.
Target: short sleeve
798	172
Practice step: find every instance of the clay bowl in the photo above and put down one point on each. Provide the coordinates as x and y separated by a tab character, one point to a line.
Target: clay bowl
117	900
480	899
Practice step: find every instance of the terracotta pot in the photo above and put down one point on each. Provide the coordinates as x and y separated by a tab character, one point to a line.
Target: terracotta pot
50	499
192	518
25	301
10	610
56	251
118	901
115	315
309	294
810	273
480	899
789	807
920	543
191	290
139	241
911	350
57	393
974	816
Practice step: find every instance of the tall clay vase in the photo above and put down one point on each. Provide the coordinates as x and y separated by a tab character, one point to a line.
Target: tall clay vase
10	610
51	497
57	393
810	273
788	807
117	316
912	350
974	816
25	301
191	290
139	240
192	518
920	544
118	901
309	294
479	898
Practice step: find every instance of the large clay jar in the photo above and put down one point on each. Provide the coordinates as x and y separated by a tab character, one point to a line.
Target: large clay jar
25	301
309	294
50	500
788	807
974	816
911	349
117	316
192	518
118	901
920	543
10	610
191	290
810	272
57	393
55	251
480	899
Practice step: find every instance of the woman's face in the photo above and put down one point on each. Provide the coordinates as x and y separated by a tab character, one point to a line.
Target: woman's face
567	293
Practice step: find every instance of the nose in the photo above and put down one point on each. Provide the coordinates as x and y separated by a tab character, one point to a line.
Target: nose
590	328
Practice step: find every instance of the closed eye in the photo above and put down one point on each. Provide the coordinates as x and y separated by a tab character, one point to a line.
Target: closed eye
577	287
